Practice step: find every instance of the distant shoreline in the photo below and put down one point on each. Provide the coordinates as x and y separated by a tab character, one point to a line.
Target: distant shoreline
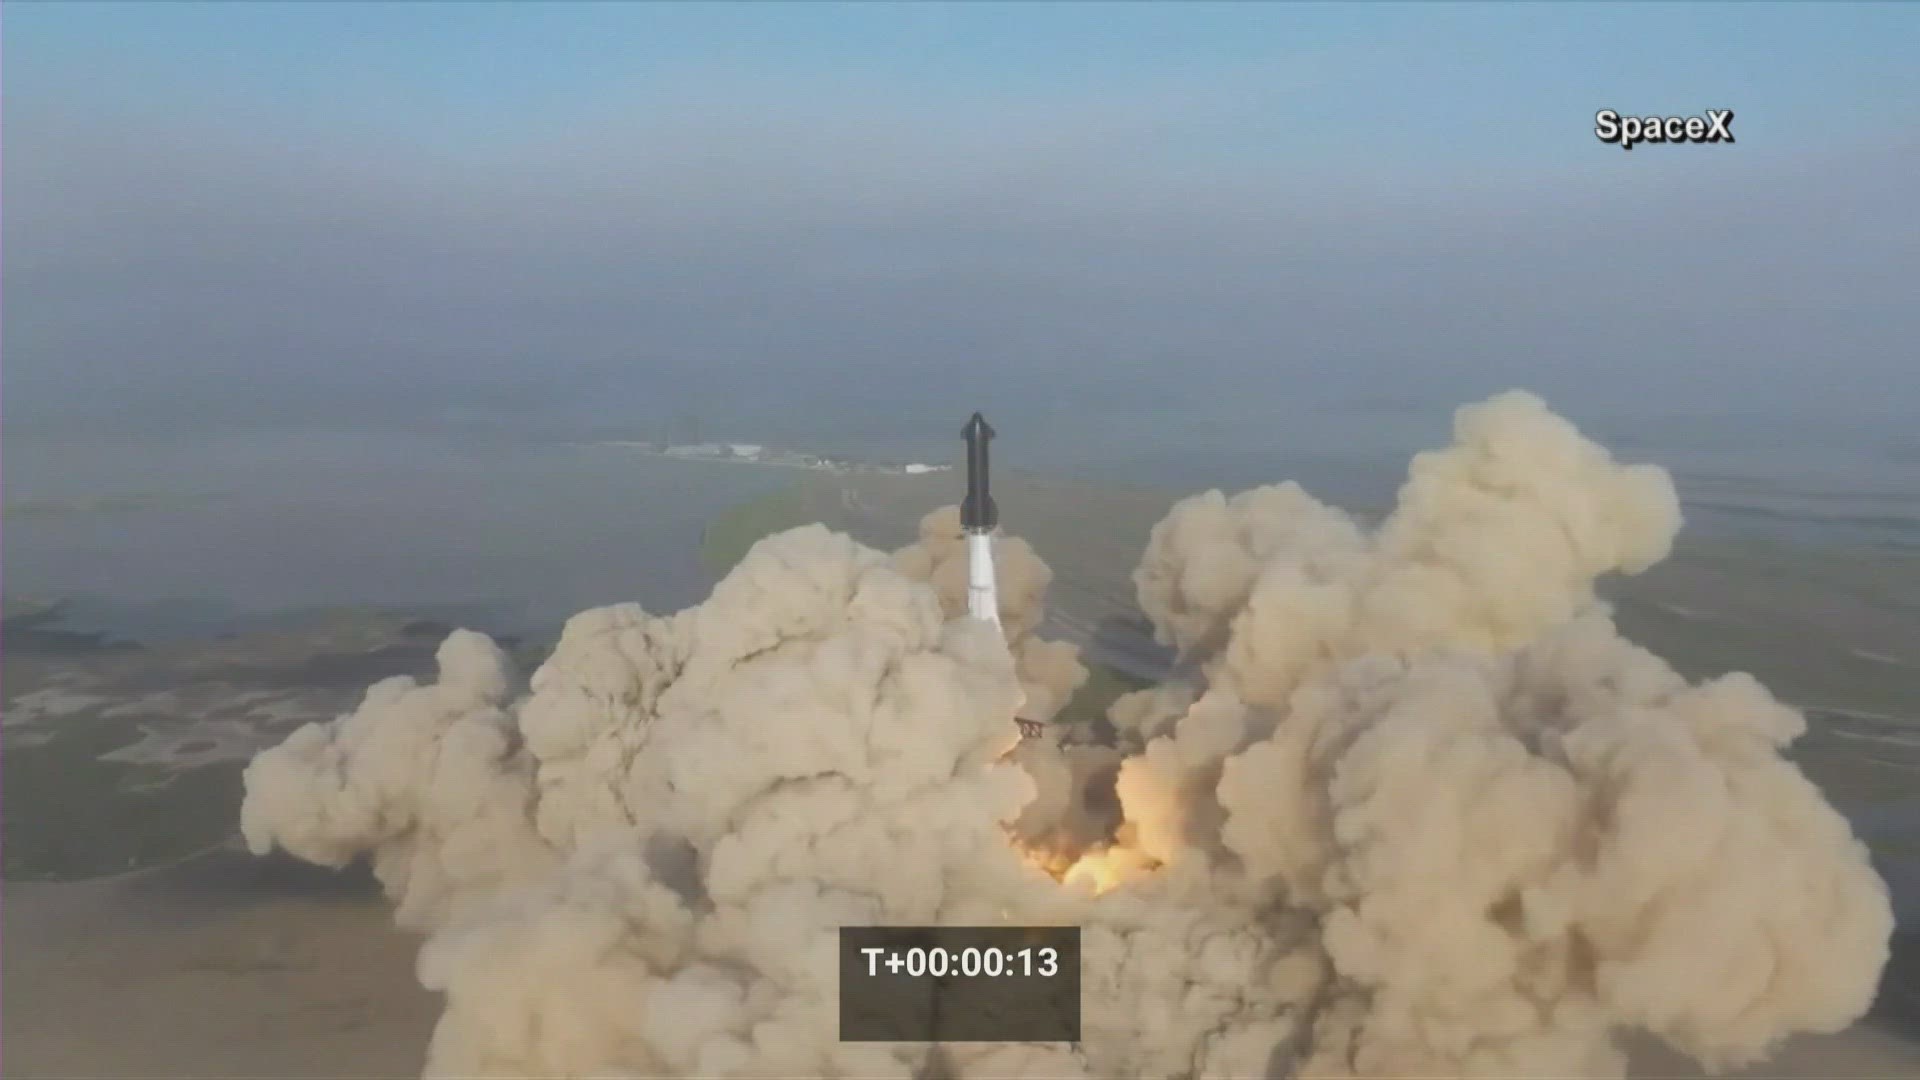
46	507
765	457
654	452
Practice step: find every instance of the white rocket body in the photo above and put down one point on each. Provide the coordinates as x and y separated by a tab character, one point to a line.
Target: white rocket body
983	597
978	516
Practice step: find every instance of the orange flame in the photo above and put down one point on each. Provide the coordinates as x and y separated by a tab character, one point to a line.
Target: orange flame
1098	870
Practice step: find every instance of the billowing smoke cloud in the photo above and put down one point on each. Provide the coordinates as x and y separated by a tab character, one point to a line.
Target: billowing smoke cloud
1425	813
1058	822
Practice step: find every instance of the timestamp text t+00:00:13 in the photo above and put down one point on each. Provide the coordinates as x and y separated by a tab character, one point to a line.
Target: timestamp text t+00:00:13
970	963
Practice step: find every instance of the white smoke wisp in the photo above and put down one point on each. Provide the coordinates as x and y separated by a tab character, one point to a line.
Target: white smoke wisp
1425	812
1050	671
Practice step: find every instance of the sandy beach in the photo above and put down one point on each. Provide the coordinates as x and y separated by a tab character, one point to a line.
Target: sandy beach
220	966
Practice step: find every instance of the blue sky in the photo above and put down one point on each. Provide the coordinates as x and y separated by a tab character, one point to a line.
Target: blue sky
1456	82
344	213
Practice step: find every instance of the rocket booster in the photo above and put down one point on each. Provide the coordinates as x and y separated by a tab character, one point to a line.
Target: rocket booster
979	517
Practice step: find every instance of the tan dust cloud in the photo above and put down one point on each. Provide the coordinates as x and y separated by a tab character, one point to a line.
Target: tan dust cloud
1426	814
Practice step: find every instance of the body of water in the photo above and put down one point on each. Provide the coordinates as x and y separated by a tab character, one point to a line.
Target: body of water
192	536
160	541
1828	481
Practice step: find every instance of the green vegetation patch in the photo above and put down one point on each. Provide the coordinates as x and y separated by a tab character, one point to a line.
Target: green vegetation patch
1090	703
731	535
68	815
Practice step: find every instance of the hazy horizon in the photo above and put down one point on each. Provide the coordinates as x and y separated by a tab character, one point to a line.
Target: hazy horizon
363	267
517	222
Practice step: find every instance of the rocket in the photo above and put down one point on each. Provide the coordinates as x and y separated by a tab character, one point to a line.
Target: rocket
978	519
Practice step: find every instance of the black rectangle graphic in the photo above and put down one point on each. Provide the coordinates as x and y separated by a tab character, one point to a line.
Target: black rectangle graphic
959	984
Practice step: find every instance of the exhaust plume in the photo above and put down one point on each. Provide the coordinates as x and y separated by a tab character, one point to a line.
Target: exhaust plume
1422	811
1049	671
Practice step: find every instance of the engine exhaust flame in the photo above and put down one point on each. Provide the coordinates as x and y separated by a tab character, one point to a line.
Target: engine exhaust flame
1103	870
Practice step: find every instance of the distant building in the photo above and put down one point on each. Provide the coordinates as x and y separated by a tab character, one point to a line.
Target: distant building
916	469
745	450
